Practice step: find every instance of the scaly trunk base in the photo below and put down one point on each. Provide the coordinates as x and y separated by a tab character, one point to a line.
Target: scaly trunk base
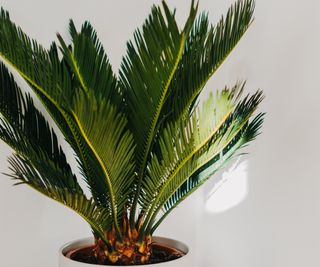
128	252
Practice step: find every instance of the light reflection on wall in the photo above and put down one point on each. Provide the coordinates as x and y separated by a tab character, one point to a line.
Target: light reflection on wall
230	190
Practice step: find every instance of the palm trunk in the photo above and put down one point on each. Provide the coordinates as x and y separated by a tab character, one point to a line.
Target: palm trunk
126	252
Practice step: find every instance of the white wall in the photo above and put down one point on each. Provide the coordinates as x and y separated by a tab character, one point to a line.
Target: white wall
277	224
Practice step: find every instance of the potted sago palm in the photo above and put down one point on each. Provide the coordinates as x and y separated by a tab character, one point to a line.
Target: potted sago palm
142	139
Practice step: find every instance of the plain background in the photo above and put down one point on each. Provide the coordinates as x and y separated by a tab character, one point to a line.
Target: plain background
277	223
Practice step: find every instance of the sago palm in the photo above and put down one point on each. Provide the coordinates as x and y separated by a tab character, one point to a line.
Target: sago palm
142	139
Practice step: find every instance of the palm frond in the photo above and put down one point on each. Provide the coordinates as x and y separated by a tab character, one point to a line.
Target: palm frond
90	167
39	160
246	135
198	141
42	69
24	172
182	138
47	75
110	148
105	132
31	60
26	131
206	49
53	82
89	63
146	73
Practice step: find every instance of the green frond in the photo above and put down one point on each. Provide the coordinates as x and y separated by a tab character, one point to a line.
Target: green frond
27	132
198	141
31	60
206	49
89	165
41	68
146	73
185	137
89	63
183	142
52	80
25	173
246	135
105	132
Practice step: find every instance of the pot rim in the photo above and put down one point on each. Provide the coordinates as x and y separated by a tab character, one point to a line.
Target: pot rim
83	242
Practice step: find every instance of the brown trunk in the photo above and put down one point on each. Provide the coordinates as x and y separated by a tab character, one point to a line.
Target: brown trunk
124	253
128	251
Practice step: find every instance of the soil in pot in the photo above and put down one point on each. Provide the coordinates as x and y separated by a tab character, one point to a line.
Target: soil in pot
159	254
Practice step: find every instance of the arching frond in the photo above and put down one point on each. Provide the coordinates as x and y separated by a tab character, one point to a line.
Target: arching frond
105	132
197	142
24	172
41	68
39	161
185	136
246	135
52	80
89	63
26	131
146	73
206	49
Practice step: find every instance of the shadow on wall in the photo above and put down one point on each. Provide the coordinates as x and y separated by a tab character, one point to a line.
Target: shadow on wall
239	223
222	239
230	190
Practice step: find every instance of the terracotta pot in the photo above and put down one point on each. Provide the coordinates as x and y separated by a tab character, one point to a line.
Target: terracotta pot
184	261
